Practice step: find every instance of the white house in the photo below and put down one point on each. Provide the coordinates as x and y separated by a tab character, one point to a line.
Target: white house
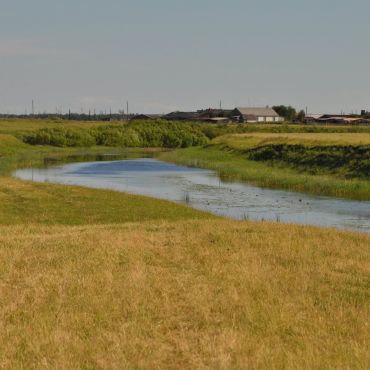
256	115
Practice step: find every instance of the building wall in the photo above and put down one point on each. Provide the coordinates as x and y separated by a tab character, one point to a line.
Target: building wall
267	119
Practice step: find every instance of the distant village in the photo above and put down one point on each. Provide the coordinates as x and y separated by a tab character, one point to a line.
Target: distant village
276	114
260	115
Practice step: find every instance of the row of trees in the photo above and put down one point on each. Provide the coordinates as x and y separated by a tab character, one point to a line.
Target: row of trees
72	116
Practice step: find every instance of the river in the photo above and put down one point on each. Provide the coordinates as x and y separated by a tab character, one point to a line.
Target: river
204	190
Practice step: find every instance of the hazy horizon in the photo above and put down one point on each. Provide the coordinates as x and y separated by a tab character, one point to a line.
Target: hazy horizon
165	55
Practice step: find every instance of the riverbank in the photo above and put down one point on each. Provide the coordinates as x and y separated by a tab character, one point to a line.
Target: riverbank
250	158
25	202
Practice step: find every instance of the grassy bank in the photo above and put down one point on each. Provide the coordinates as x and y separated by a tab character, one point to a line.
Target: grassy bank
342	155
311	162
247	141
187	295
28	202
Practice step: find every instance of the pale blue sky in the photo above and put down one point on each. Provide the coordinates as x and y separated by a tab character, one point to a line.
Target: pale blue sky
166	55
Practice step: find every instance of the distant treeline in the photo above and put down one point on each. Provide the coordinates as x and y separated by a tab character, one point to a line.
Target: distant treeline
105	117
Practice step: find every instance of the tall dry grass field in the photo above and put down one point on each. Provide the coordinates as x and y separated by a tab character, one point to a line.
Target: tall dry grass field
245	141
192	294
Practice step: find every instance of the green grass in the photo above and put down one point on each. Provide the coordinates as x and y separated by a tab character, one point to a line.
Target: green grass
341	155
253	140
29	203
20	127
232	165
10	145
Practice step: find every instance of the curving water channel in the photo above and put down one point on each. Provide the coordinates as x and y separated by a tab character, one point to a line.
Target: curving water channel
203	189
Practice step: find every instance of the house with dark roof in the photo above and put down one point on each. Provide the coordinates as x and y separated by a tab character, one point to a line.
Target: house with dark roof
342	119
182	116
146	117
214	113
255	115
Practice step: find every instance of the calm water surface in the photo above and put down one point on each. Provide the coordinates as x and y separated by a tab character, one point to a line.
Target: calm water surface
203	189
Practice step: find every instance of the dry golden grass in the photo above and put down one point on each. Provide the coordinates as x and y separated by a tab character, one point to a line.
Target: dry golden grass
19	126
245	141
192	294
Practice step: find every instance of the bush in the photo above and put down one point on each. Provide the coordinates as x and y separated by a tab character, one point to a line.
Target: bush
136	134
60	137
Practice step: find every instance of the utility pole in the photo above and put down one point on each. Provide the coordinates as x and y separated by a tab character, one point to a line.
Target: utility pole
127	110
33	107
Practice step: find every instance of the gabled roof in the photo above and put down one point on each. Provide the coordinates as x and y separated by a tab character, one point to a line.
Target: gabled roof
147	116
340	118
181	115
211	112
258	112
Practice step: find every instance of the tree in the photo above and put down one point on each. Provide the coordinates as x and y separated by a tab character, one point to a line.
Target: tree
301	116
288	112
